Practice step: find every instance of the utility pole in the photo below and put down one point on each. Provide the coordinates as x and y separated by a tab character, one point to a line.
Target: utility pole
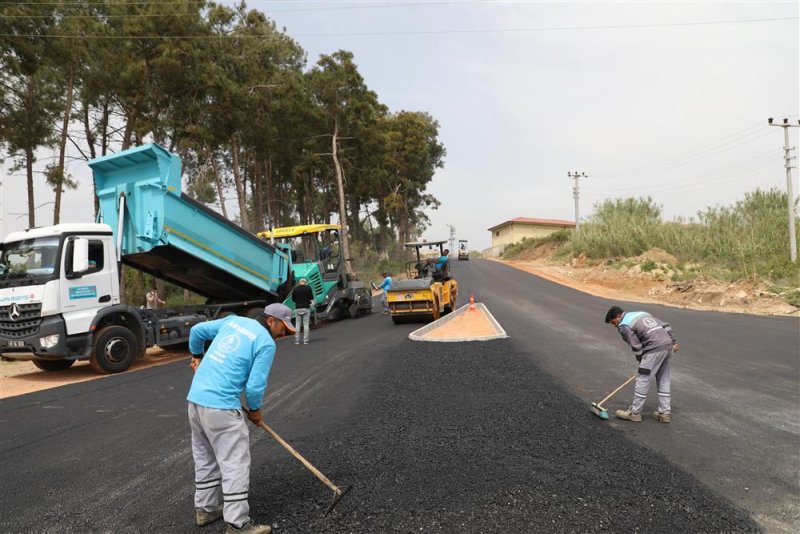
452	240
789	189
576	195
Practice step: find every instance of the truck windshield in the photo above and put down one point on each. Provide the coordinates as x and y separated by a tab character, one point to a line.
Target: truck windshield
29	258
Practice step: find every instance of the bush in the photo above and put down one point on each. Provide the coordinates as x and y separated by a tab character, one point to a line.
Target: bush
749	238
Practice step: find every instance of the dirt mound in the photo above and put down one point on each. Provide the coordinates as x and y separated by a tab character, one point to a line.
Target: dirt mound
659	256
542	250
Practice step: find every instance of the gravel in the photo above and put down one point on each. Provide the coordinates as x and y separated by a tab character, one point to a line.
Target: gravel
473	437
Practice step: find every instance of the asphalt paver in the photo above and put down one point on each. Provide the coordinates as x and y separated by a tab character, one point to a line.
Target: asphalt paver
471	437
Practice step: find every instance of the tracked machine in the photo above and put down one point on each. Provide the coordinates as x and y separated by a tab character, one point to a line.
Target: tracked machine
429	291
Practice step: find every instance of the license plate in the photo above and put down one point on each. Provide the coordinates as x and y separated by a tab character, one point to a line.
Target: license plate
16	344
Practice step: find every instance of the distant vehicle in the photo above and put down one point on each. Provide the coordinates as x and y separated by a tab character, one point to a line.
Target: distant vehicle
463	250
428	293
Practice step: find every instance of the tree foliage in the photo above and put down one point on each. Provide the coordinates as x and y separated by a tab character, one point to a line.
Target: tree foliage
233	95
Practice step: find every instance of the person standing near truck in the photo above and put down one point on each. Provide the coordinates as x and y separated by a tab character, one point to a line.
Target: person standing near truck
238	360
653	344
152	300
303	296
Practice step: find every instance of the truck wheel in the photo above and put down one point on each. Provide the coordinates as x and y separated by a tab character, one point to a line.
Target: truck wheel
114	350
53	365
353	309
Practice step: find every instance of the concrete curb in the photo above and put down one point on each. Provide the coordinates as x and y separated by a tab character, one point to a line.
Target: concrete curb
418	335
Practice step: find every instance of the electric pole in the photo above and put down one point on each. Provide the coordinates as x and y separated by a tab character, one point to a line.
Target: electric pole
452	240
789	189
576	195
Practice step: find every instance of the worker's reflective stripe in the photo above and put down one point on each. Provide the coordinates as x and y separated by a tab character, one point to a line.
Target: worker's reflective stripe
208	484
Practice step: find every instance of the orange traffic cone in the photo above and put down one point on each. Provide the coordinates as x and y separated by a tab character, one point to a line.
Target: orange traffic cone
472	302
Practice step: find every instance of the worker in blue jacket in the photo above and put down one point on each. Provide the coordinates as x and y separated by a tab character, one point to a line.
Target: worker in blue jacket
385	285
238	360
653	343
441	263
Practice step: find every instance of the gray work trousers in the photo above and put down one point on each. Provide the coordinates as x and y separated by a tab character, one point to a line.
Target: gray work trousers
302	316
653	365
221	451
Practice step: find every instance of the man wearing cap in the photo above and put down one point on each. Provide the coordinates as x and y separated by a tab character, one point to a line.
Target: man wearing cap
238	360
303	297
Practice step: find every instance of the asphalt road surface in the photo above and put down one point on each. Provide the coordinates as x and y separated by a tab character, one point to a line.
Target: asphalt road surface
436	437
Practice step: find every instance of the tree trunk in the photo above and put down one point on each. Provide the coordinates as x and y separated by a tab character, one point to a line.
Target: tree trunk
29	169
63	147
258	203
129	126
237	178
90	141
104	133
355	226
342	212
220	190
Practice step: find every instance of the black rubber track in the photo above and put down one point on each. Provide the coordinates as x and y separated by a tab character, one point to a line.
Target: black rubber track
471	437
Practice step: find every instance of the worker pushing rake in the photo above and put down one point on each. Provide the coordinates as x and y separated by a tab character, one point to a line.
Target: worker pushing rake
654	344
238	361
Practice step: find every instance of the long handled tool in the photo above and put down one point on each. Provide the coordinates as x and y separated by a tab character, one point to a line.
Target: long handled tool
338	492
597	407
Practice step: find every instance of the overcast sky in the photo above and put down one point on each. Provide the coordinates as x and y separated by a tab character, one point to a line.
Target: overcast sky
668	100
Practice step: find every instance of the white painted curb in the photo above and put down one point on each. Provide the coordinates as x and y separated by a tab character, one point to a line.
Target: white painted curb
418	335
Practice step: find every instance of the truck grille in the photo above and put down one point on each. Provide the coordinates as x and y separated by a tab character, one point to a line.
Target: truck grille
27	324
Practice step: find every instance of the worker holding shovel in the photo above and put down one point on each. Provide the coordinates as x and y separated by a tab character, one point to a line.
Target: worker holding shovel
238	360
653	343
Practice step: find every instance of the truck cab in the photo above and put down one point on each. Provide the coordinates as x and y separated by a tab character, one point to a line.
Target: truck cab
54	282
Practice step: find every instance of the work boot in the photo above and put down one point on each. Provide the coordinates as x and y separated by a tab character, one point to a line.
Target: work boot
206	518
249	528
663	417
628	415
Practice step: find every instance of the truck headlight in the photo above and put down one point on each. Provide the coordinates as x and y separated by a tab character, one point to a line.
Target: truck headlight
48	342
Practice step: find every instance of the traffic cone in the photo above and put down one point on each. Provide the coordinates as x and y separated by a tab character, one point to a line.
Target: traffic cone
472	302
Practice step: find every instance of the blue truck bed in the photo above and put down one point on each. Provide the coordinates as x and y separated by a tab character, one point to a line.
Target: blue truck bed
171	236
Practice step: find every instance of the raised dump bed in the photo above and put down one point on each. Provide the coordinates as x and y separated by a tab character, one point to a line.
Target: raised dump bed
167	234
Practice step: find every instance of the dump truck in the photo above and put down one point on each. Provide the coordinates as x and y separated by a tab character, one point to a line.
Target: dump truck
428	292
60	285
315	256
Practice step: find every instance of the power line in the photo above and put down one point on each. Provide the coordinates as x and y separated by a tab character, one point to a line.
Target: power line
740	134
418	32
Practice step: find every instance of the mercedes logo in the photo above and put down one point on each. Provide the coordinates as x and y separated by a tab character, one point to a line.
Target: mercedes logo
13	312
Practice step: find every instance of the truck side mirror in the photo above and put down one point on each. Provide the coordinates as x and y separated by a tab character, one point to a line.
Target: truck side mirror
80	255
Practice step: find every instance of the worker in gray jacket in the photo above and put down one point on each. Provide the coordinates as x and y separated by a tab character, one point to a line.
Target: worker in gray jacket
653	343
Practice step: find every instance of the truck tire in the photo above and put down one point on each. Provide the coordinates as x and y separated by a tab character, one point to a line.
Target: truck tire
114	350
353	309
53	365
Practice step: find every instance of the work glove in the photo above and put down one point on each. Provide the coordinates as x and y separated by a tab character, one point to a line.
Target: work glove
254	416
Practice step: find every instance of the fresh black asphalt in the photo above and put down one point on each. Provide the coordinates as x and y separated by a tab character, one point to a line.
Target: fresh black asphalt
471	437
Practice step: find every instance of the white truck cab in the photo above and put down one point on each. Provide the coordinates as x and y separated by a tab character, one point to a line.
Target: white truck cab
53	283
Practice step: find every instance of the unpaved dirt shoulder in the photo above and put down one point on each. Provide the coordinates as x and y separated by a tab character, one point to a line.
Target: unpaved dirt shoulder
19	378
701	294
